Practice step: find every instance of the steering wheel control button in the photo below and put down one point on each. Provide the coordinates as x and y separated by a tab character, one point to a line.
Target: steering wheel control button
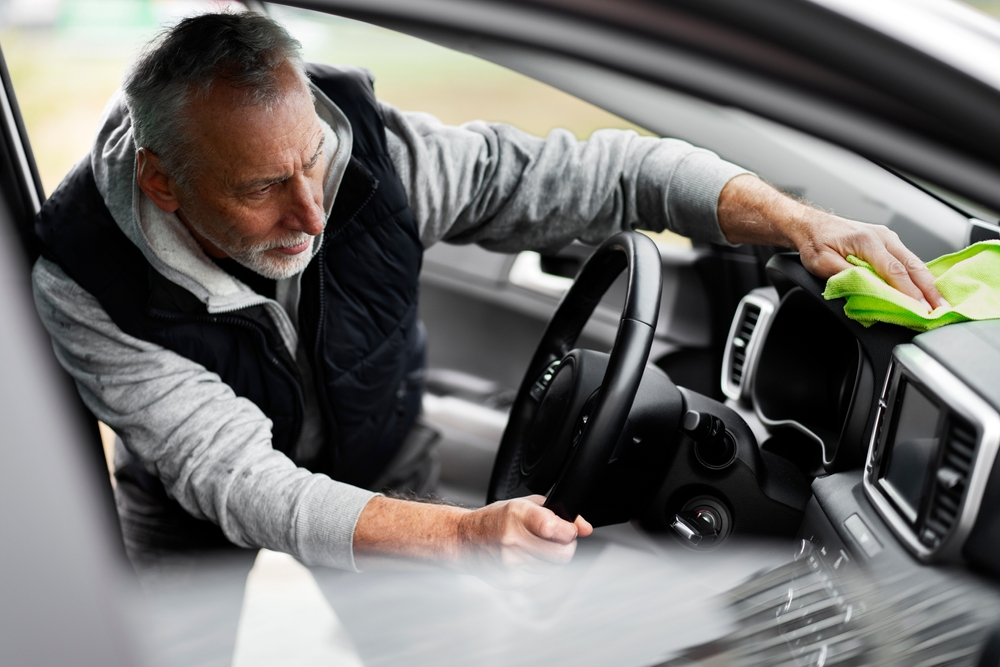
869	544
546	445
542	383
714	446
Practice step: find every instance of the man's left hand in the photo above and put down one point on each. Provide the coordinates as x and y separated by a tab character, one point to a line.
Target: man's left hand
751	211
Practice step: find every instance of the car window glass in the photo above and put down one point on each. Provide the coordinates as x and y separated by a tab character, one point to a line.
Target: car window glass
67	58
991	7
415	75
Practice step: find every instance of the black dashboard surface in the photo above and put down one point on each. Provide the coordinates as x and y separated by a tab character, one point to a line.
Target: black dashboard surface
972	352
876	344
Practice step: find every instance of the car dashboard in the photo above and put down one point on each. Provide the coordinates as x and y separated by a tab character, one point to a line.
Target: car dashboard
900	433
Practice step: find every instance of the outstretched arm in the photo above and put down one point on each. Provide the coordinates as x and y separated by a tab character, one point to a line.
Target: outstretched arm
751	211
510	532
500	187
491	184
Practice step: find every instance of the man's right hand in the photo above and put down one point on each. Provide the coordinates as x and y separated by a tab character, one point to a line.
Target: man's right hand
509	533
520	532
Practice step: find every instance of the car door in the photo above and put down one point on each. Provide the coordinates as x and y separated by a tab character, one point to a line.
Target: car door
60	581
23	194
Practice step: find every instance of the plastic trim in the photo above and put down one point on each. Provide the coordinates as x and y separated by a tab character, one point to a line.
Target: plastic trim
767	306
526	272
20	153
959	399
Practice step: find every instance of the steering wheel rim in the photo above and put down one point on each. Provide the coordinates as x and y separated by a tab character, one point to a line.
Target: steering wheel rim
638	255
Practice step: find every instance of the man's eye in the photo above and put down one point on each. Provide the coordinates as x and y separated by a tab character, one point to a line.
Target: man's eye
263	191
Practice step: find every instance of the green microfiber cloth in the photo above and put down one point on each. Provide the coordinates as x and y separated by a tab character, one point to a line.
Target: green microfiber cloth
968	279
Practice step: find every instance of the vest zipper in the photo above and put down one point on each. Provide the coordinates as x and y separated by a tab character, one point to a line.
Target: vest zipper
318	376
271	358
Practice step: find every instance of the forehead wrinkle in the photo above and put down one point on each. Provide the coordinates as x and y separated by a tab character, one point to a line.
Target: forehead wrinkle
319	148
233	134
269	180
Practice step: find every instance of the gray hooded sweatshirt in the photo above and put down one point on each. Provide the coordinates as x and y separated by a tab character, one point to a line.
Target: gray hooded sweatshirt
484	183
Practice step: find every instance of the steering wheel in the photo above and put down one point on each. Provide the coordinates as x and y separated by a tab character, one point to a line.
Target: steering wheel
558	440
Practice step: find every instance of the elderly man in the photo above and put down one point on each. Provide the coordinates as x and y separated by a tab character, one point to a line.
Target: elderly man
231	279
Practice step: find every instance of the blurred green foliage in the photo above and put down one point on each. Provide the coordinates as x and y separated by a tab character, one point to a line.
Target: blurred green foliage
988	6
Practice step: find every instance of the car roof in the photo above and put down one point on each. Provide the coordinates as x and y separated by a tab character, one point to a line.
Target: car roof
952	32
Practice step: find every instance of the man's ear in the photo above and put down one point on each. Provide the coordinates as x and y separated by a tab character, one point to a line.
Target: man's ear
157	185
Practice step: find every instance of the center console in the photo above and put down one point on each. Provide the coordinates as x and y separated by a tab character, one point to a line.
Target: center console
931	455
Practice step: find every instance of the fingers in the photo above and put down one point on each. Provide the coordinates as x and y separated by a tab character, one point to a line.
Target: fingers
824	255
917	273
520	532
903	270
556	531
539	535
543	523
825	263
894	272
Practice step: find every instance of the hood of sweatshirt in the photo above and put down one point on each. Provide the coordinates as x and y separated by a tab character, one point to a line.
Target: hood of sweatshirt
164	240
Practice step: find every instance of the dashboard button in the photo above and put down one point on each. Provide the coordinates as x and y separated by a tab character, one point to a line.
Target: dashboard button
930	538
949	478
856	526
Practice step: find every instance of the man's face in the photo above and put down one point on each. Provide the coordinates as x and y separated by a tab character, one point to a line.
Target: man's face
256	192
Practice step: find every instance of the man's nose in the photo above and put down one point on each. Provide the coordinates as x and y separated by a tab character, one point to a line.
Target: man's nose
306	206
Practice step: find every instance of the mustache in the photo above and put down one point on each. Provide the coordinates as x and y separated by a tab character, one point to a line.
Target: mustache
290	241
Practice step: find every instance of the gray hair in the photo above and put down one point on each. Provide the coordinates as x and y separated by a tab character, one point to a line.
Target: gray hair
243	49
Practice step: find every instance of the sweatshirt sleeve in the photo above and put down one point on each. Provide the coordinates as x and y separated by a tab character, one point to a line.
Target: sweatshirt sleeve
211	448
492	184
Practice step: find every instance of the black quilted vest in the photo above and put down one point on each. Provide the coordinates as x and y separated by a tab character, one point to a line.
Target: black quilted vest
357	311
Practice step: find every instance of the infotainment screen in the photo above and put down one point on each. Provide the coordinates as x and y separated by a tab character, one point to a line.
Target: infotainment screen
911	449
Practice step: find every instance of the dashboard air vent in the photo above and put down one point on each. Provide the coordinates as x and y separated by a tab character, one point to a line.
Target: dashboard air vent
750	323
957	459
741	343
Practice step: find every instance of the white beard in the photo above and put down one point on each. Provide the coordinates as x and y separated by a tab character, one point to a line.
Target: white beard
273	265
261	258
